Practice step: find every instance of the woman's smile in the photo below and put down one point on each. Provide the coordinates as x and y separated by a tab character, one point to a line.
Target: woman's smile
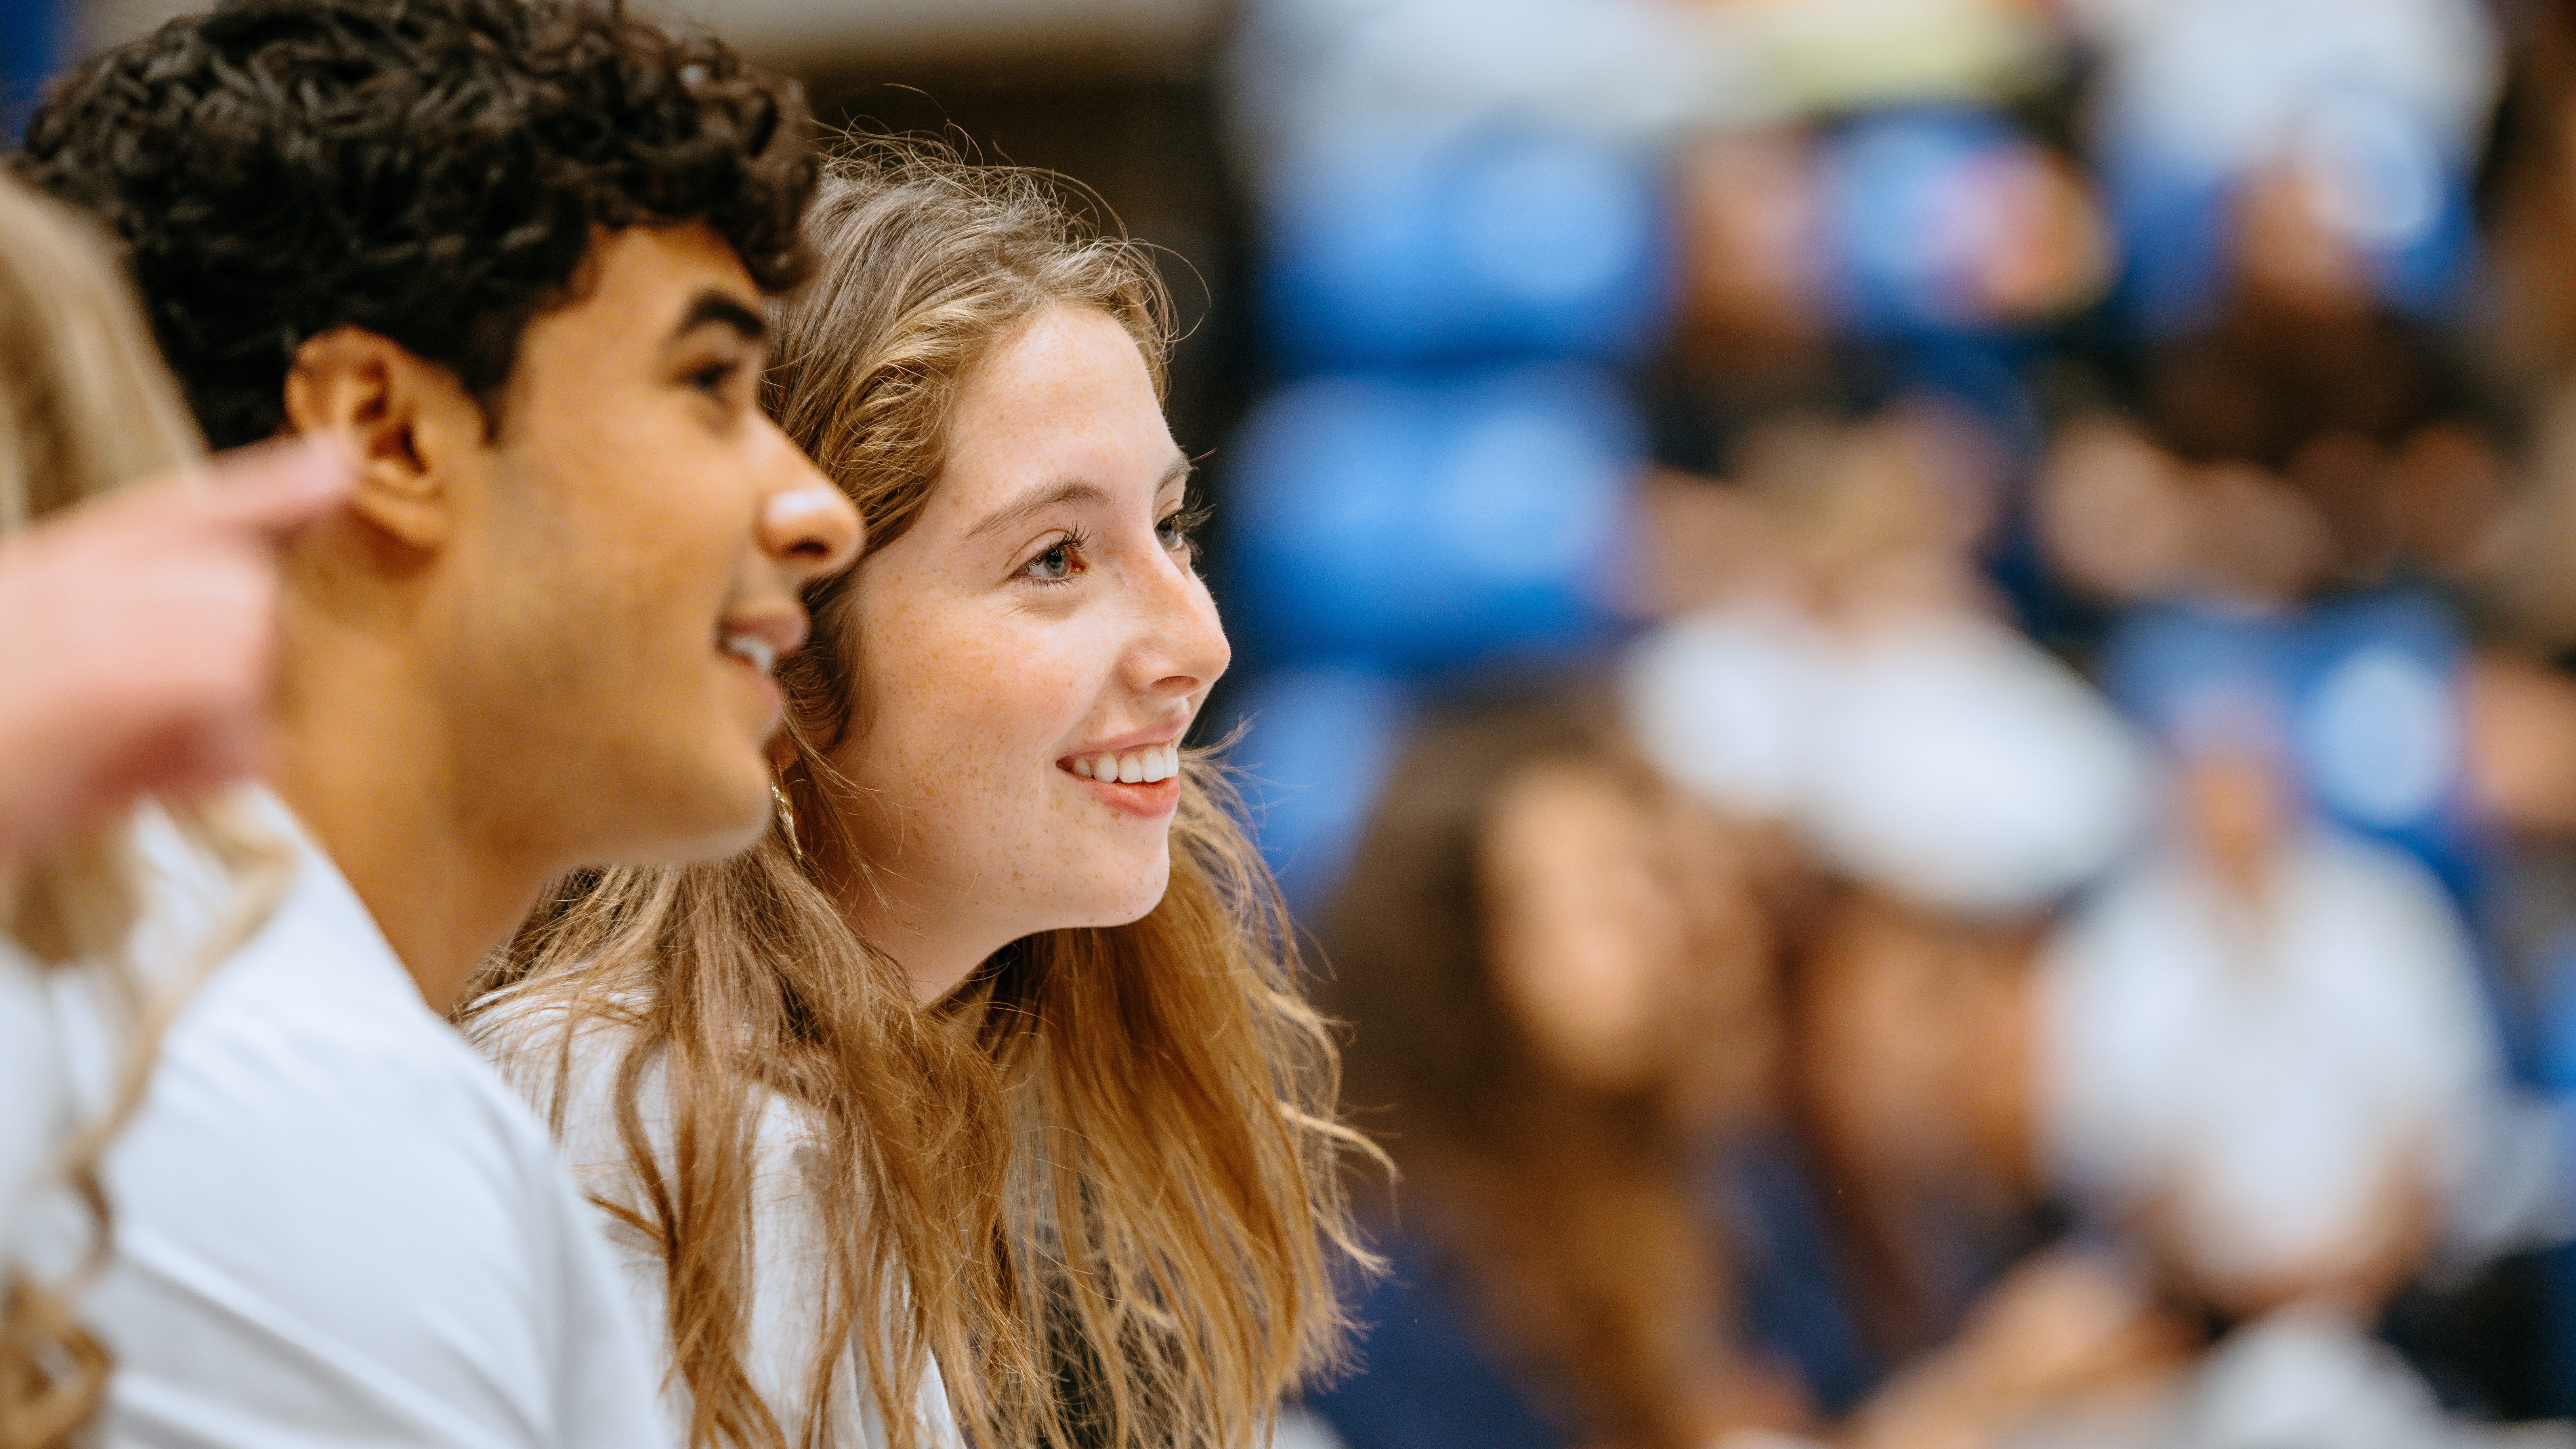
1139	774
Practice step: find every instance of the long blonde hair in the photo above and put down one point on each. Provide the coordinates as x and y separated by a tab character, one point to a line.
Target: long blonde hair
86	406
1100	1183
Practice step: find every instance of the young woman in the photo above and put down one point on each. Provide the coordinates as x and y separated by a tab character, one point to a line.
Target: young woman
980	1098
134	634
1559	982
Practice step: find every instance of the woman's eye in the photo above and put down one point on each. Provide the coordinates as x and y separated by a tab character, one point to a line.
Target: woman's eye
1053	566
712	377
1176	530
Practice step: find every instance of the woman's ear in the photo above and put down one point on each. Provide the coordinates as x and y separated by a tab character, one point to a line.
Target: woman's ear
411	422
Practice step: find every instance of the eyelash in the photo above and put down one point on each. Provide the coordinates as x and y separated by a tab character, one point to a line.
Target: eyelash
712	377
1183	526
1179	526
1072	544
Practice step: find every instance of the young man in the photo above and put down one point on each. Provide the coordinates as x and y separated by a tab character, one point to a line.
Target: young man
517	252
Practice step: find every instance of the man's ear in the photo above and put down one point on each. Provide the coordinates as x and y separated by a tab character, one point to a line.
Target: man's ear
412	423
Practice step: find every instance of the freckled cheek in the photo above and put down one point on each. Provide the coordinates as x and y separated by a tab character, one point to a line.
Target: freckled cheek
972	715
1009	700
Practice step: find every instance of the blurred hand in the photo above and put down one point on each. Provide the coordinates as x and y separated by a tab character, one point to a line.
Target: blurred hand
2060	1330
138	637
2389	1235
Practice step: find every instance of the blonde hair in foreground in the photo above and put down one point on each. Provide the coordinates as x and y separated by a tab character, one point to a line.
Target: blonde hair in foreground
1100	1183
85	405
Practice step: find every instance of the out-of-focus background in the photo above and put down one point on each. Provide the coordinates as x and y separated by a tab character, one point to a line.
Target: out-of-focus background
1915	663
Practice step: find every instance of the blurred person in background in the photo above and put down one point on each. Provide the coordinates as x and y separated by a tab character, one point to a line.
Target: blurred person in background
1560	987
2324	991
1841	672
980	1099
137	638
2312	486
1629	1159
2523	706
1948	1066
537	636
2263	1059
2522	701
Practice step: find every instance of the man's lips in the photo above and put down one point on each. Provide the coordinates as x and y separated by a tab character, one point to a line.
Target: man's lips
760	637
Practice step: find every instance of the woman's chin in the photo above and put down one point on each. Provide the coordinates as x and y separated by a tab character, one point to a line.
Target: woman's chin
1124	897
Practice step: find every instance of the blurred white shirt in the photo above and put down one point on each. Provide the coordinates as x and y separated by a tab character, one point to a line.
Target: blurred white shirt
2277	1074
787	1234
33	1112
335	1225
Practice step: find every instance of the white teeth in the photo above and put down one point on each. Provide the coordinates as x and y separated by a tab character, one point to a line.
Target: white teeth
1147	766
752	650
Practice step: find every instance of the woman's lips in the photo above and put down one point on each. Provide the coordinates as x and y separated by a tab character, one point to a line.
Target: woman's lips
1138	773
1138	796
1145	800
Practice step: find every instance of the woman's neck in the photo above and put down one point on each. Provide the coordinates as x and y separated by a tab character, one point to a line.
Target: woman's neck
938	944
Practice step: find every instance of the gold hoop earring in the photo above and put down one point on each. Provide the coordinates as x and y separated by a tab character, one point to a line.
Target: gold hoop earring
787	819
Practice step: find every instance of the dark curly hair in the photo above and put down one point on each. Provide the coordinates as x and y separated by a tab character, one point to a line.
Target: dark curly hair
430	170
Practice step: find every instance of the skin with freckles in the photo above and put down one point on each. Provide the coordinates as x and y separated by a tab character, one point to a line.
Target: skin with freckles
1043	608
507	657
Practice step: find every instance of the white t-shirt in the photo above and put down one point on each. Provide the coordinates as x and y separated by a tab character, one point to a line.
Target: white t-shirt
33	1111
2272	1077
334	1225
787	1242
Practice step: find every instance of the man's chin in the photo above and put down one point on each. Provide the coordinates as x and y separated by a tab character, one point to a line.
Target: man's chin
721	822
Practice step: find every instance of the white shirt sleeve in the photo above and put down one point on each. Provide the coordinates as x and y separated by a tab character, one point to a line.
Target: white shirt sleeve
335	1225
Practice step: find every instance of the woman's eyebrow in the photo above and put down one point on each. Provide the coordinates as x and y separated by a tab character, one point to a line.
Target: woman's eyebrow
1062	494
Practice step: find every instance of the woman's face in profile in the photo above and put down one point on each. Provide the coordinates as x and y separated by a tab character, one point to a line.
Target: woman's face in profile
1622	936
1032	651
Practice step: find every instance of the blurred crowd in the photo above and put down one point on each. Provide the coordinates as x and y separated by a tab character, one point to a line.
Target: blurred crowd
1915	663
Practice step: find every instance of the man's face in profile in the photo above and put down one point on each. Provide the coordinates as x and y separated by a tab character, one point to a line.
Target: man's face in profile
632	557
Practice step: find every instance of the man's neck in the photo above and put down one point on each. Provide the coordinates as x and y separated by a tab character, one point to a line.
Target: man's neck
366	762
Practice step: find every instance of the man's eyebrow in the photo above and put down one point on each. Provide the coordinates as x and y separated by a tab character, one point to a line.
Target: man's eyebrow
1065	493
723	311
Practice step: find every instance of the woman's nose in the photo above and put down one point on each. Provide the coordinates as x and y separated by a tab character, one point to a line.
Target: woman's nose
1187	649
